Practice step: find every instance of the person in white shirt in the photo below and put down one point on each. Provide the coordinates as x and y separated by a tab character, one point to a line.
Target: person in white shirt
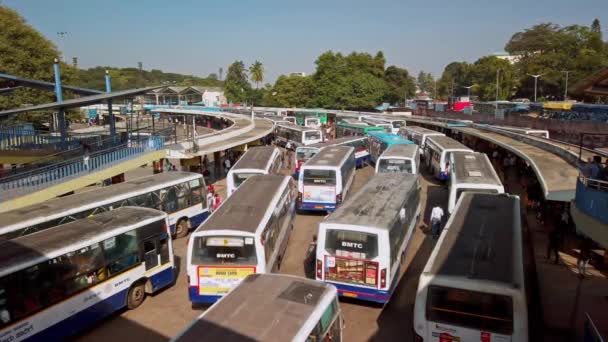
436	216
227	164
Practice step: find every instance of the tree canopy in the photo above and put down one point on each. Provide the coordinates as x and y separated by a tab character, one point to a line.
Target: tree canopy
257	73
237	88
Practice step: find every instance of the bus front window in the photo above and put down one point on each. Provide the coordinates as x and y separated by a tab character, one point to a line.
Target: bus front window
395	166
312	135
223	250
351	254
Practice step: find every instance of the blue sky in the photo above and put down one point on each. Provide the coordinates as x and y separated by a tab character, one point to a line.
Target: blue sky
199	37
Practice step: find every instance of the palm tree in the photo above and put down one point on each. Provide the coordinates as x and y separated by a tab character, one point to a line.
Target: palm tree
257	73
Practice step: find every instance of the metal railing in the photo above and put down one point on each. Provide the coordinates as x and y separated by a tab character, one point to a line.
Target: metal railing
27	182
592	197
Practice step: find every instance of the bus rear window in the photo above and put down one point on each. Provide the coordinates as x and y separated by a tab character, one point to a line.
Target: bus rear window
319	177
312	135
305	153
239	178
395	166
351	244
482	191
398	124
223	250
470	309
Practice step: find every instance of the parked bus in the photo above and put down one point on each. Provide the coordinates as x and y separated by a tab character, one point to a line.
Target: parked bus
542	133
304	153
311	118
399	158
361	246
56	283
297	135
346	129
472	287
419	134
271	307
374	122
261	160
180	194
247	234
378	142
472	172
437	155
325	179
394	125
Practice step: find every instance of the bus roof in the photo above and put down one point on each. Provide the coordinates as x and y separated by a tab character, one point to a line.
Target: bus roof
337	141
421	130
255	158
376	203
330	156
297	128
245	209
447	143
481	241
473	168
362	125
400	151
74	203
263	307
29	250
390	138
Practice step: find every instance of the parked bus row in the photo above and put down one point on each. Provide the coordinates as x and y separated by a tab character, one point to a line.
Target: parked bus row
261	160
304	153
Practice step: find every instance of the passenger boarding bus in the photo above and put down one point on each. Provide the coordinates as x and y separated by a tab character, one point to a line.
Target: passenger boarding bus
472	172
261	160
271	307
394	125
247	234
304	153
297	135
362	245
542	133
325	179
437	155
472	287
180	194
56	283
399	158
419	135
361	129
378	142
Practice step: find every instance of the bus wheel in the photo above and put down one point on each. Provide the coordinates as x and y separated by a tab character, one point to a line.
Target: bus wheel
181	228
137	294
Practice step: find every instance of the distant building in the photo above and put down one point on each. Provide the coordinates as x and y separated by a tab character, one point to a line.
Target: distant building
205	96
303	74
507	57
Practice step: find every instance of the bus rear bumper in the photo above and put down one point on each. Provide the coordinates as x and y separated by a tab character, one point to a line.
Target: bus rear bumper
362	293
197	298
316	206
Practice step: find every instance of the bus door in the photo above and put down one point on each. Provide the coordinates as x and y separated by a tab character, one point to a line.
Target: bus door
156	251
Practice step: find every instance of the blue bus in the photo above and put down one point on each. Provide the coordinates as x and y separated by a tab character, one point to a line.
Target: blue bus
378	142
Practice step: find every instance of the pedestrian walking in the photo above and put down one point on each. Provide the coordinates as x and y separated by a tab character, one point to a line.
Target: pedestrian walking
85	158
583	256
436	216
288	154
227	164
553	246
209	198
217	200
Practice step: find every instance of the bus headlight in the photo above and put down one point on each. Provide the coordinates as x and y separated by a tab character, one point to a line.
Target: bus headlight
383	278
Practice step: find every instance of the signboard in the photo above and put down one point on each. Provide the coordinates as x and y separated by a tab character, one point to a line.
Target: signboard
92	113
218	280
319	194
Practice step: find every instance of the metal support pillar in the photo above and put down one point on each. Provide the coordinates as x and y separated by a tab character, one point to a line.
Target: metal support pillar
58	92
110	113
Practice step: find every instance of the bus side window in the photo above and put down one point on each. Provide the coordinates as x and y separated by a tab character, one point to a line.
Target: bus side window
121	252
169	202
183	195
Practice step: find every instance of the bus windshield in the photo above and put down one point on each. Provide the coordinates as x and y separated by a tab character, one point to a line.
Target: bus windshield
312	135
395	166
471	309
222	250
319	177
240	177
350	257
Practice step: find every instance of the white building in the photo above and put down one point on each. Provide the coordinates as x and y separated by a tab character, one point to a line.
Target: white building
206	96
507	57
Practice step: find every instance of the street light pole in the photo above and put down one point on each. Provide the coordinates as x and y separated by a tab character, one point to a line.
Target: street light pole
566	87
535	84
468	88
496	110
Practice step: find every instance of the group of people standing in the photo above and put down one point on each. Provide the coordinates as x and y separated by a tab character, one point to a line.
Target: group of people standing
213	199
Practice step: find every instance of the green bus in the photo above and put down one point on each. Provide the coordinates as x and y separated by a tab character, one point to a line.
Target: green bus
302	116
346	129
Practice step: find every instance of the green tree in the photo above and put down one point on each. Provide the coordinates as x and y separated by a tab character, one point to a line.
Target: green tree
399	84
484	74
257	73
291	91
237	88
454	78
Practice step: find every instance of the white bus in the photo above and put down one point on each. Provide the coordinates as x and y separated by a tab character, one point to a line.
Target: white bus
542	133
418	134
472	171
180	194
297	135
437	155
304	153
394	125
247	234
311	121
399	158
325	179
472	287
54	284
271	307
361	246
261	160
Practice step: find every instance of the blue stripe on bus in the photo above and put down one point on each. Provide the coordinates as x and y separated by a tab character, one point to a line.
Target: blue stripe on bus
201	299
317	206
89	316
195	221
361	292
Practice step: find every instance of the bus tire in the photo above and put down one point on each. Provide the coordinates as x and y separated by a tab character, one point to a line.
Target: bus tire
181	228
137	295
